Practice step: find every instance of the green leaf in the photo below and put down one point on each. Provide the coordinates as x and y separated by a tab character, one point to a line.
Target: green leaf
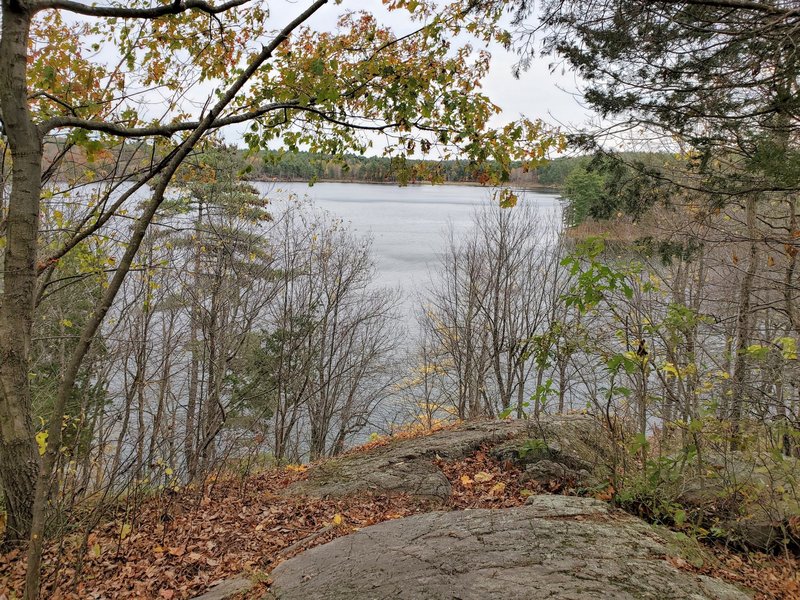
318	66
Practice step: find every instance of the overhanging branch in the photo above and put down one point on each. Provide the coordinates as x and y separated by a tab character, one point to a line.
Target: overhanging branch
175	8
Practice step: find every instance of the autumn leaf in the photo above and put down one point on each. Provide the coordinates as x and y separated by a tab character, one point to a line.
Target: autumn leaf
41	442
466	481
483	477
606	495
497	489
507	198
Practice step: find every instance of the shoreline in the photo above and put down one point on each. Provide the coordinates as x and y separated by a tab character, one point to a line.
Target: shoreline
520	186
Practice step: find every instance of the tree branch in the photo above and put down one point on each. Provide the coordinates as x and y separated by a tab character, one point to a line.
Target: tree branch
157	130
175	8
738	5
171	129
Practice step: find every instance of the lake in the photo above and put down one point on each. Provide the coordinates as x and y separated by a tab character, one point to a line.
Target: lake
408	223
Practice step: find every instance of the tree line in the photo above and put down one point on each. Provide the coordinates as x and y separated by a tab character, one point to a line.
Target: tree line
306	166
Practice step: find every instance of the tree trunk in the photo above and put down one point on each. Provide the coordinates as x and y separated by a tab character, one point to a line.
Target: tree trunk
744	330
19	460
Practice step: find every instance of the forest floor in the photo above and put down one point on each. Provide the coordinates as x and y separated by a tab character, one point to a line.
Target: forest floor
177	544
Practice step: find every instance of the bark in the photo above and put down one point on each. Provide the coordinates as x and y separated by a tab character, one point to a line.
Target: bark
195	356
19	460
167	333
744	329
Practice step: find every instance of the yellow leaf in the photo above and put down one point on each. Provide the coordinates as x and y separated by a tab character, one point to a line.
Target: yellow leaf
41	441
483	477
465	480
125	530
97	550
168	471
337	520
497	489
670	369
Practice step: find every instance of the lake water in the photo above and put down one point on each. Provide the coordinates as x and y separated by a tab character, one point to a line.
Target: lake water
408	223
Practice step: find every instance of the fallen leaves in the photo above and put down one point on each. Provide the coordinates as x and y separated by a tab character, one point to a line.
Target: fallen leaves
771	577
483	477
606	495
415	430
497	489
226	529
479	481
234	527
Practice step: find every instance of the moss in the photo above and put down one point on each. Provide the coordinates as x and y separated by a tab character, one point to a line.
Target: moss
684	546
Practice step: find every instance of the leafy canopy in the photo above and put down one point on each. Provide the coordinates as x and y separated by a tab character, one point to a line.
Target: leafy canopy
99	79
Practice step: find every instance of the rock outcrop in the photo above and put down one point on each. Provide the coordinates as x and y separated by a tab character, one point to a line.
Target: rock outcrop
571	449
555	547
751	498
572	446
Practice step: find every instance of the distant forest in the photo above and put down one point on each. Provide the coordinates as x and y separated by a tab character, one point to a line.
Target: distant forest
285	165
307	166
